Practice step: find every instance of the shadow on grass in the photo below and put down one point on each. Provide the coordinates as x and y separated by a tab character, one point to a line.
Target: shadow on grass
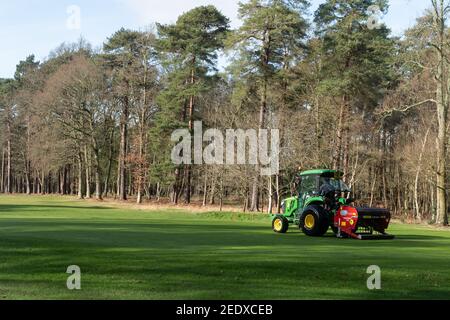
157	259
420	237
157	232
28	208
186	272
187	258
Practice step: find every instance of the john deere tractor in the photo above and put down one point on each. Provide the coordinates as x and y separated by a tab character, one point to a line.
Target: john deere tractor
323	202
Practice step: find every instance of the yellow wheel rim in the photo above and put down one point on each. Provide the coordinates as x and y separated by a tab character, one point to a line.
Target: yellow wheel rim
310	221
278	225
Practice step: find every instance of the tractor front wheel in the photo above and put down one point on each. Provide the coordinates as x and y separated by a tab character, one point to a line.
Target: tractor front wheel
314	221
280	224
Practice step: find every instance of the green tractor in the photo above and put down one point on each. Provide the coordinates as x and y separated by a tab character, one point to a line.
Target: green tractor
324	202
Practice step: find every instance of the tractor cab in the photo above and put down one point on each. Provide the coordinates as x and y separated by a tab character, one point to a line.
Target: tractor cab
314	186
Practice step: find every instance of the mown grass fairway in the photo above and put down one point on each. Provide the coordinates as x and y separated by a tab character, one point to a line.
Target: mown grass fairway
130	254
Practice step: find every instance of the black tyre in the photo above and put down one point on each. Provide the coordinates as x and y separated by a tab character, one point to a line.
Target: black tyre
314	221
280	224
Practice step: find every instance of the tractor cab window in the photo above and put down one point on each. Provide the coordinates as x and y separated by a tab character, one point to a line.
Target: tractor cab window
337	184
308	185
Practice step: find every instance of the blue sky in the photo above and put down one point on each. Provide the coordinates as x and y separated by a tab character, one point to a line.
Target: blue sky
39	26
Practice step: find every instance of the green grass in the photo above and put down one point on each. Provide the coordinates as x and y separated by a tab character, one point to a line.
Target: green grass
131	254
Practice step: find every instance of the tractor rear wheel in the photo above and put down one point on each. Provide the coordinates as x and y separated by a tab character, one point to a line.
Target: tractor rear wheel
314	221
280	224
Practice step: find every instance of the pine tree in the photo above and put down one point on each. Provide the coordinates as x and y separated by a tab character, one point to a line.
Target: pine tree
267	42
120	51
189	50
356	63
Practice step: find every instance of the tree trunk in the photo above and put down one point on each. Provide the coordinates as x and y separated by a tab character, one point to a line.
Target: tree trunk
139	195
270	206
122	185
441	171
221	192
346	149
43	187
176	186
142	141
418	173
442	95
191	129
141	173
28	178
118	180
205	190
255	190
278	194
318	129
110	161
80	175
97	169
372	190
8	188
98	184
337	161
62	180
262	119
2	174
88	173
188	179
212	196
27	162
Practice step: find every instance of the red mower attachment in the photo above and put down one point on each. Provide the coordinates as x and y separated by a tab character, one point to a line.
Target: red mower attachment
363	223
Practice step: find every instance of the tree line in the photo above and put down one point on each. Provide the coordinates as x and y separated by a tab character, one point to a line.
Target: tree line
344	93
